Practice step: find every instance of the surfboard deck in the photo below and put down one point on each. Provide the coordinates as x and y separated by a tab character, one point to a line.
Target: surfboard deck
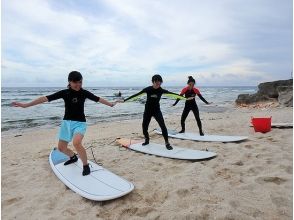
99	185
160	150
205	138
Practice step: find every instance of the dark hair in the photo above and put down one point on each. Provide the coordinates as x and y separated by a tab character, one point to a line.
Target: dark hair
156	78
191	79
74	76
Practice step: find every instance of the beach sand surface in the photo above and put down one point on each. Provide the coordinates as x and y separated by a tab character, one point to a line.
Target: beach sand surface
247	180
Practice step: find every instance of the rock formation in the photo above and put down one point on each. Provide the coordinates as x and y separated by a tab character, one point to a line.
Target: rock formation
280	91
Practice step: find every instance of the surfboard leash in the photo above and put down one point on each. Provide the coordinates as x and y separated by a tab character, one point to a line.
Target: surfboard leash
91	147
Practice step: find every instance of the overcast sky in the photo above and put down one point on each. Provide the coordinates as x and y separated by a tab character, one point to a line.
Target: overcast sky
123	43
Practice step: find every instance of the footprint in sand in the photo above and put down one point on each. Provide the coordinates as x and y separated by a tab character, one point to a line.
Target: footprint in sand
248	146
275	179
270	138
134	211
239	163
156	197
280	201
224	173
234	204
288	169
11	201
182	192
135	196
143	212
254	171
232	216
129	211
269	161
155	169
71	212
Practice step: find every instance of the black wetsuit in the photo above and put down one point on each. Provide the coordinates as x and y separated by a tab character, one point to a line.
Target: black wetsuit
74	102
190	105
152	109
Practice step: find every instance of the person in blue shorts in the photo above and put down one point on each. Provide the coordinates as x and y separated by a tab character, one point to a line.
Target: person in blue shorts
73	126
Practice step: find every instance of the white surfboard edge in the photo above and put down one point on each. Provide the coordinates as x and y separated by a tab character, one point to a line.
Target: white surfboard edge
160	150
99	185
205	138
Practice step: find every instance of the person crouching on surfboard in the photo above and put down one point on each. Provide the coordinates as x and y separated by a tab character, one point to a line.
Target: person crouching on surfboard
152	108
73	126
190	93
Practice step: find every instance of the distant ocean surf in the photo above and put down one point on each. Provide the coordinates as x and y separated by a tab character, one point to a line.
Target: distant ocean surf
50	114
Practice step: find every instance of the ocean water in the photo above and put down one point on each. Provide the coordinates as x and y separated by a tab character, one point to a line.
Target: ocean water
48	115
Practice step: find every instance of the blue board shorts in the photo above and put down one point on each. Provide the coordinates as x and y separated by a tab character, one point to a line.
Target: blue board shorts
69	129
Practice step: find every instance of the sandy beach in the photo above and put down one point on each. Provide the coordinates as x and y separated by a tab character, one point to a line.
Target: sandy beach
247	180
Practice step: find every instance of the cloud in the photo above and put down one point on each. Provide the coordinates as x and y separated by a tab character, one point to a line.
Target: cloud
125	42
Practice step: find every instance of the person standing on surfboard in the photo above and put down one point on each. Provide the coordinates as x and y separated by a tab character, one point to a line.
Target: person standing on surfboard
152	108
190	93
73	126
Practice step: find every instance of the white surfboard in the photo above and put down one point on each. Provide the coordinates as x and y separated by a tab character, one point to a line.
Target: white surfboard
205	138
282	125
160	150
99	185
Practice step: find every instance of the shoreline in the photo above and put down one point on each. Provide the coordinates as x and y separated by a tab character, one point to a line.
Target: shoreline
91	122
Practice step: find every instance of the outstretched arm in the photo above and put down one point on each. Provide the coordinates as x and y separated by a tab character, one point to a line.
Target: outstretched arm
203	99
105	102
95	98
135	95
32	103
177	101
173	95
181	94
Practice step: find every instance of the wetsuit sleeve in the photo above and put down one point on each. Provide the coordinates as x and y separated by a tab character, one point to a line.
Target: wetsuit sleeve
176	102
200	96
91	96
172	94
181	94
55	96
135	95
203	99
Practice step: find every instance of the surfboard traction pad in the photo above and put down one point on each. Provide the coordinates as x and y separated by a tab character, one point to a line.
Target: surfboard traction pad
127	142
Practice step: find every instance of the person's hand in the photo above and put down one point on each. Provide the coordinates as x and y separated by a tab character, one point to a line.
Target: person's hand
190	98
19	104
120	101
113	104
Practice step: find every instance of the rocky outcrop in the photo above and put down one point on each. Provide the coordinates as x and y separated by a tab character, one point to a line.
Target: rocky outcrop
277	91
270	89
285	97
251	98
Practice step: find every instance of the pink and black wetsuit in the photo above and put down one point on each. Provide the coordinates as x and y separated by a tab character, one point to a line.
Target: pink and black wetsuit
190	105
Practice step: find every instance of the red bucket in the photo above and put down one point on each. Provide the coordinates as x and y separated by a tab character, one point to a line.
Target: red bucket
262	125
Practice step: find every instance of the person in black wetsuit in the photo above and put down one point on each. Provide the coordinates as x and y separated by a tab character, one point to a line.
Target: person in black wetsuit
190	93
152	108
73	126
